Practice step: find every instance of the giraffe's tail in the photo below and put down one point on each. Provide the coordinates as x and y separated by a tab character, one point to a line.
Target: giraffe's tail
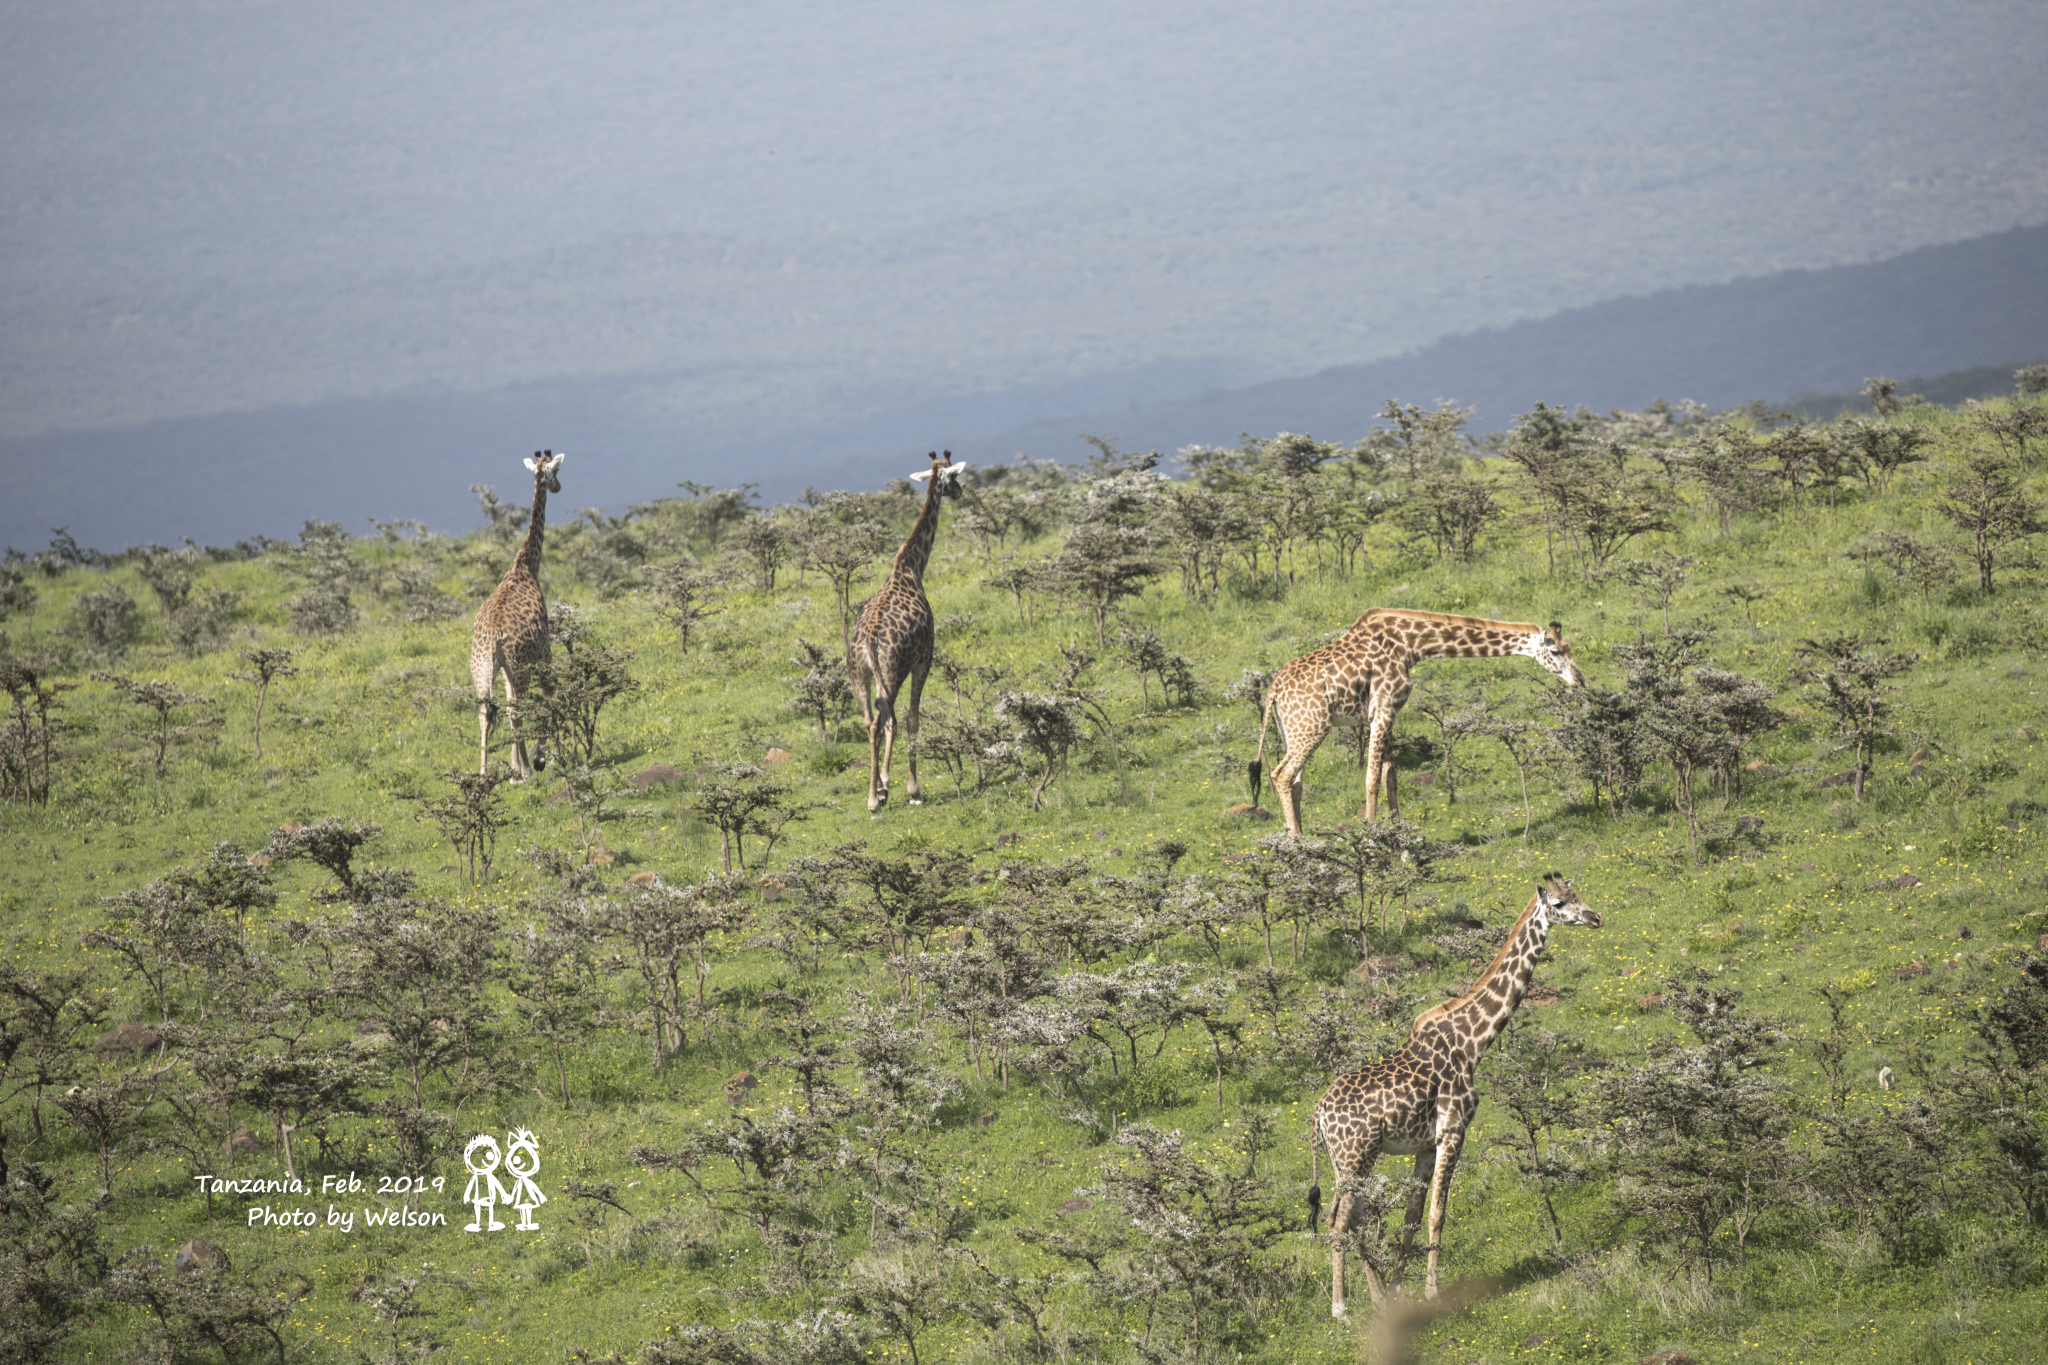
1315	1175
1257	768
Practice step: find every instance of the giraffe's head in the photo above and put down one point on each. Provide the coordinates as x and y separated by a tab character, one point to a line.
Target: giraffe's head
1547	647
546	466
1559	904
947	474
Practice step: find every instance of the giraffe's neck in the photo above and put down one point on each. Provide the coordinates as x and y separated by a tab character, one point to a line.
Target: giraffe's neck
1477	1017
1472	639
917	551
536	527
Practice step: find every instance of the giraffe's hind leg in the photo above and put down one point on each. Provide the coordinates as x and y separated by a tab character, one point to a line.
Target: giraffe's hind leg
881	741
1425	1169
910	733
522	767
485	710
1300	737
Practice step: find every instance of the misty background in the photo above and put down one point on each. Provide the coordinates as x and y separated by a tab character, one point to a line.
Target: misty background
261	262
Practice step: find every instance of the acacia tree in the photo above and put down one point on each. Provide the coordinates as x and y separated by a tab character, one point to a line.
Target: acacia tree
1879	450
839	536
1701	1131
2012	430
28	740
662	931
685	594
1384	860
1848	676
1658	580
1449	512
566	695
554	983
1042	726
743	800
161	698
1926	564
1191	1247
470	817
266	666
42	1016
822	690
1991	506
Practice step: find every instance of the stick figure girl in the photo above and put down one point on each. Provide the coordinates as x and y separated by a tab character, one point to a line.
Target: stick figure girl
484	1190
522	1159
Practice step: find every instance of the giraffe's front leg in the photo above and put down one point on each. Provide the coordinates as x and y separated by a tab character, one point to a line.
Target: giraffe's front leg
1378	757
1439	1196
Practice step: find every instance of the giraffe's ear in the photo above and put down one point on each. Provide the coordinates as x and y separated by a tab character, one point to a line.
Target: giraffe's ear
556	463
953	470
920	476
532	465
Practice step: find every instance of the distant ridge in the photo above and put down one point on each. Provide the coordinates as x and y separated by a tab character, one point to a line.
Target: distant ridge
1802	332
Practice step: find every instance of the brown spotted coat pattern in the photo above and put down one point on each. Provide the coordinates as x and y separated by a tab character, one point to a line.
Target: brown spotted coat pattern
1363	678
1420	1099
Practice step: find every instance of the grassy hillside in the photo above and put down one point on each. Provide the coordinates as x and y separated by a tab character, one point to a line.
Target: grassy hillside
863	1143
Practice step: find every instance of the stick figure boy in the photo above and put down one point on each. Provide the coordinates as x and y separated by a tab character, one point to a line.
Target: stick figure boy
522	1159
481	1157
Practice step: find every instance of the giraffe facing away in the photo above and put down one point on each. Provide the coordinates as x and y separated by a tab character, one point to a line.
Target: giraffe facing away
892	642
1362	678
1420	1099
511	631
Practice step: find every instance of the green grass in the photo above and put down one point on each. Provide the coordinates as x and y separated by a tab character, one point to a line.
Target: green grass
379	711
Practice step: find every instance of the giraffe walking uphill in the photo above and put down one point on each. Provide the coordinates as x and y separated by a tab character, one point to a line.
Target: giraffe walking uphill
1362	678
893	640
511	631
1420	1100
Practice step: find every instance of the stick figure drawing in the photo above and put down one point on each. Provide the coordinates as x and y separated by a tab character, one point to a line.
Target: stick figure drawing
522	1159
484	1191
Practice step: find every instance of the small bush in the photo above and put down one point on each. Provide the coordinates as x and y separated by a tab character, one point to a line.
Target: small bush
107	623
319	611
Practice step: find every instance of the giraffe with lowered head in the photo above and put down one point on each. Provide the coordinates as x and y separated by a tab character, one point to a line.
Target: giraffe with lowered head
511	631
1362	678
892	642
1421	1099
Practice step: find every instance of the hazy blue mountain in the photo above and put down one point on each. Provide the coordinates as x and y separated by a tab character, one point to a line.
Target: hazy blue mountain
1797	334
225	477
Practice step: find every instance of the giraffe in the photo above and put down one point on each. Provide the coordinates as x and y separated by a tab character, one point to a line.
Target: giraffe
1362	677
1420	1099
511	631
893	639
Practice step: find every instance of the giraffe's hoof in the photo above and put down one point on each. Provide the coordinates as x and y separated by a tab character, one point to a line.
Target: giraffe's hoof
917	800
